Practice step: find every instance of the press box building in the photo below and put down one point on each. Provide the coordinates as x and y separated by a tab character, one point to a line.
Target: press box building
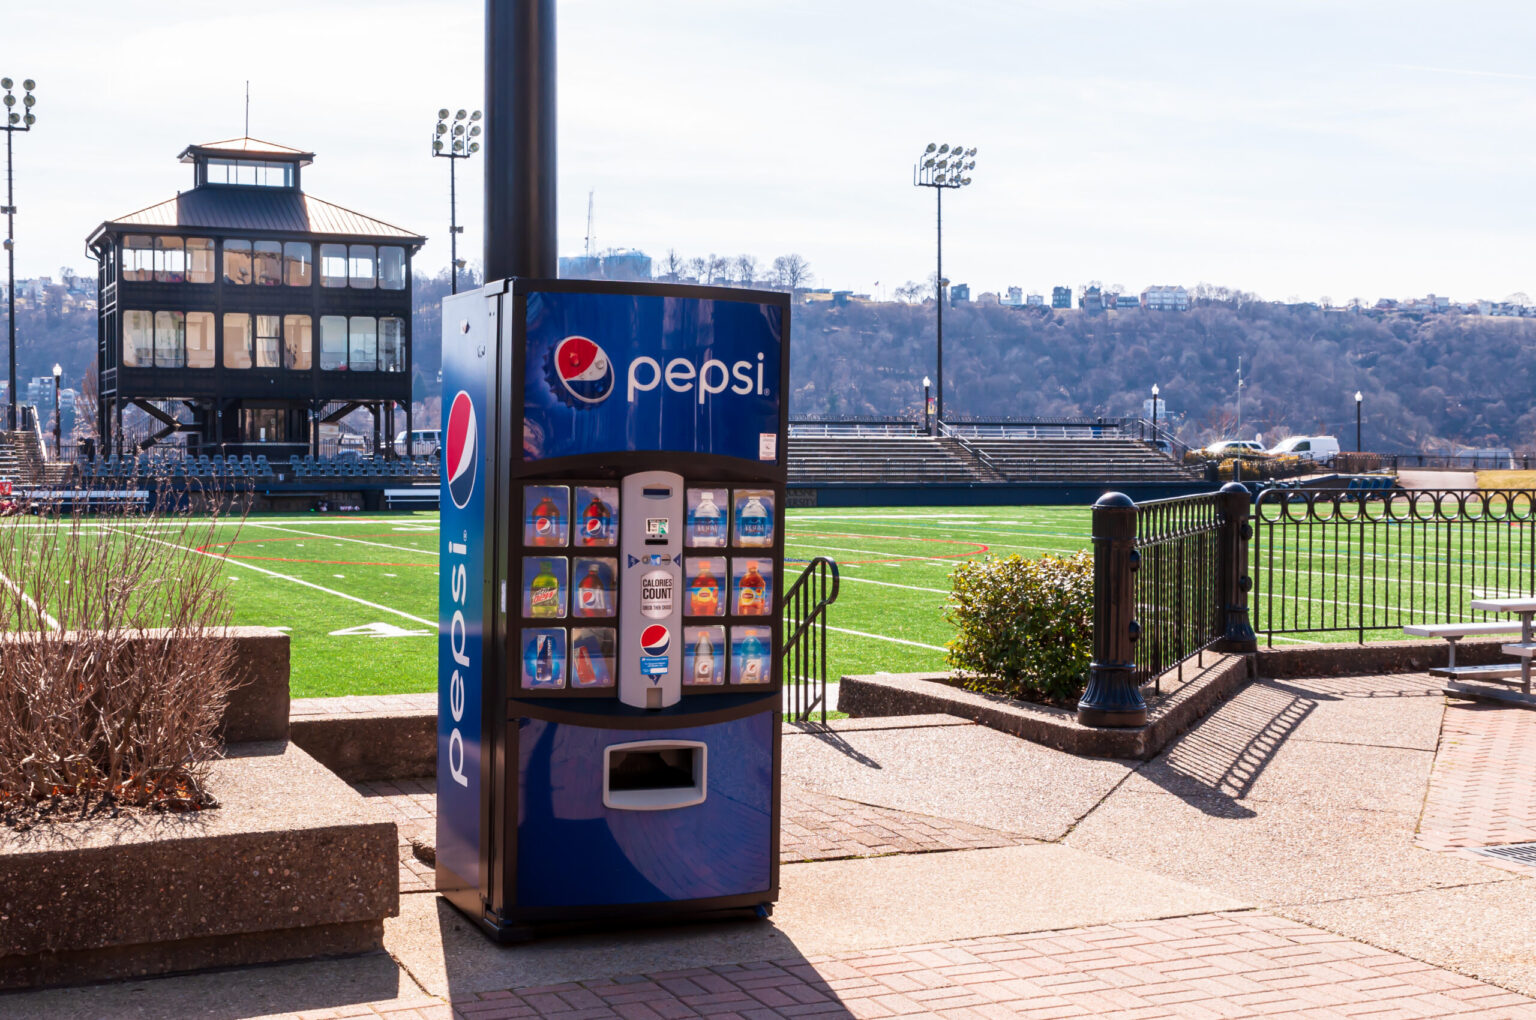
244	313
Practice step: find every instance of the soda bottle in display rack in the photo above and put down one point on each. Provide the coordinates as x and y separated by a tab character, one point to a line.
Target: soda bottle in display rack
753	662
592	594
708	521
704	596
596	523
752	524
704	660
750	600
544	592
546	523
544	661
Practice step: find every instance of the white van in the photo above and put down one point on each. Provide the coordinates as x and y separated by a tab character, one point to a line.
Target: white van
1321	449
424	443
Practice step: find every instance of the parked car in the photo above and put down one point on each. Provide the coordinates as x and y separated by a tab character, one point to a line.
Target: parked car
1321	449
424	443
1227	447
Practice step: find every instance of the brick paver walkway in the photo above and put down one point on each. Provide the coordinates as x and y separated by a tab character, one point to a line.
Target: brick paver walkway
813	827
1480	792
1228	965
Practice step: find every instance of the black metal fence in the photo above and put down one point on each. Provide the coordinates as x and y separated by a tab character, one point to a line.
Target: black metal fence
1327	562
805	638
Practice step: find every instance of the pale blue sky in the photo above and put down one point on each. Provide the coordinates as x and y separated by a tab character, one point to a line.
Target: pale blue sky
1298	148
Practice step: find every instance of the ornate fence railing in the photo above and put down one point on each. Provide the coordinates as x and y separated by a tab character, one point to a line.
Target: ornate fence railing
1358	562
805	639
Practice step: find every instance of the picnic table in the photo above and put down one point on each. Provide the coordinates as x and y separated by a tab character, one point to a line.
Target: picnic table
1525	607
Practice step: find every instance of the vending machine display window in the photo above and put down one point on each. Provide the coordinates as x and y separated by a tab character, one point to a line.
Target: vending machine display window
751	661
706	581
708	517
704	659
594	587
597	516
546	516
545	587
754	520
592	656
543	658
751	586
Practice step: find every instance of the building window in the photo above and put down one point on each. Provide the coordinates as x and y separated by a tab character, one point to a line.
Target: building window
392	345
297	342
333	265
391	267
199	260
363	268
298	259
237	262
199	339
269	341
333	342
138	339
363	348
170	340
170	260
269	263
138	258
237	340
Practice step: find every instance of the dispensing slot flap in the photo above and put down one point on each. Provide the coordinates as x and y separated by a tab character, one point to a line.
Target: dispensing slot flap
654	775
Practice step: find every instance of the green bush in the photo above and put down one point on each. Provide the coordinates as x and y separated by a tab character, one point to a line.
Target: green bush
1024	627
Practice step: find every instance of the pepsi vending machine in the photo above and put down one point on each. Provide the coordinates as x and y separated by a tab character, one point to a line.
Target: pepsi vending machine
612	557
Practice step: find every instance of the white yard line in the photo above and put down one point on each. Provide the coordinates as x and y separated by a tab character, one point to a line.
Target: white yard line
52	623
341	538
243	565
882	637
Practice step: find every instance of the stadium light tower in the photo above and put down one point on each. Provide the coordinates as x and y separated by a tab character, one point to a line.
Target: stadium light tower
940	167
454	143
14	122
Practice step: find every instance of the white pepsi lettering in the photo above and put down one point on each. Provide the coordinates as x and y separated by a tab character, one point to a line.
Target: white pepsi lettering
457	638
760	391
460	580
456	757
704	385
742	370
680	373
635	385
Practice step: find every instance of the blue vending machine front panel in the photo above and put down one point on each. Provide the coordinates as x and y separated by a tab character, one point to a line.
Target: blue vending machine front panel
575	850
467	413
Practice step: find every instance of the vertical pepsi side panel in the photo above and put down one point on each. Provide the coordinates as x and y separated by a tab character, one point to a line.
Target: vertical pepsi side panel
465	558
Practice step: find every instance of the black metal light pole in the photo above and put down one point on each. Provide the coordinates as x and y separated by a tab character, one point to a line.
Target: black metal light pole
1358	397
454	144
940	167
13	122
927	385
519	138
58	442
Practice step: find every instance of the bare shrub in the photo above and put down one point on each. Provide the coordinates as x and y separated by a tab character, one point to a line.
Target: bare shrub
114	664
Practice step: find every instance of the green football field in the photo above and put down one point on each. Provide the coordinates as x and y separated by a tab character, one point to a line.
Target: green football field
358	594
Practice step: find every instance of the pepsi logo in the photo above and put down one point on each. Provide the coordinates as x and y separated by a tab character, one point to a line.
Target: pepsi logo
655	640
583	370
460	450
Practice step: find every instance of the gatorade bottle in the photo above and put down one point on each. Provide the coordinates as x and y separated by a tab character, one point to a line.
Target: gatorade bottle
704	596
753	527
708	522
754	669
592	595
546	523
544	592
544	662
704	660
596	523
750	599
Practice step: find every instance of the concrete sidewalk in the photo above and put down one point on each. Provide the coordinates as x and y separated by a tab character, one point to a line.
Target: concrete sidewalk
1266	863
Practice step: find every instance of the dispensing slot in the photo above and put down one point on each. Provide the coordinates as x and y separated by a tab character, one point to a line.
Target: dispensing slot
654	775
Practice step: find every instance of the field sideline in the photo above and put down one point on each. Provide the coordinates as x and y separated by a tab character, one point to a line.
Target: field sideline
358	593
